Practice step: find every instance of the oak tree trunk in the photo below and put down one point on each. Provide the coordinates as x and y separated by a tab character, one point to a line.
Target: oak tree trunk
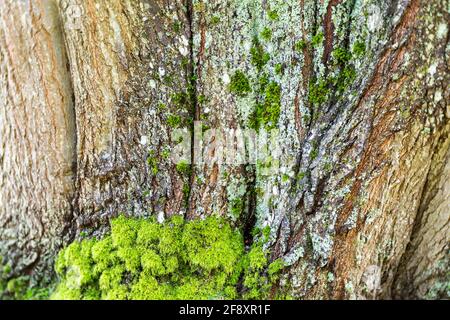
356	97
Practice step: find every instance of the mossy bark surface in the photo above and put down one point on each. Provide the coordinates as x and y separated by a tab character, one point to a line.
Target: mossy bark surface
354	95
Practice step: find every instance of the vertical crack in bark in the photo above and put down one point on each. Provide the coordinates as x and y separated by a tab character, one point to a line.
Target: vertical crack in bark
69	228
192	83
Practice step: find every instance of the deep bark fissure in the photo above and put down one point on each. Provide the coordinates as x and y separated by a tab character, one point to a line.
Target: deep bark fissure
69	228
192	82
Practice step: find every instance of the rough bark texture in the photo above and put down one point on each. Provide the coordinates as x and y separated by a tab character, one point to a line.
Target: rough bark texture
360	185
126	61
37	136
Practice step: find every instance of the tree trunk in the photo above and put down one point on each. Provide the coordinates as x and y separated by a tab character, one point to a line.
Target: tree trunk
351	97
37	133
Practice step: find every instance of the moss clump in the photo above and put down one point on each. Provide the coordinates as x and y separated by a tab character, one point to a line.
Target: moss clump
314	151
345	78
341	56
318	92
215	20
273	15
181	100
183	168
173	121
176	26
317	39
19	288
300	46
142	259
259	275
279	69
320	89
267	113
152	161
266	34
237	207
240	85
259	57
359	49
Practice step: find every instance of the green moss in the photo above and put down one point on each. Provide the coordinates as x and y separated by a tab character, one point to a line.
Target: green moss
359	49
328	167
215	20
237	207
278	69
176	26
267	113
201	99
186	191
19	288
260	275
183	168
318	92
240	85
142	259
319	89
266	34
314	153
266	233
181	99
152	161
317	39
300	46
259	57
173	121
341	56
346	77
273	15
275	268
166	153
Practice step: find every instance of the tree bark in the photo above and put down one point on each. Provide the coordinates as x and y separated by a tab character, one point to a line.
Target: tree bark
37	134
356	194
